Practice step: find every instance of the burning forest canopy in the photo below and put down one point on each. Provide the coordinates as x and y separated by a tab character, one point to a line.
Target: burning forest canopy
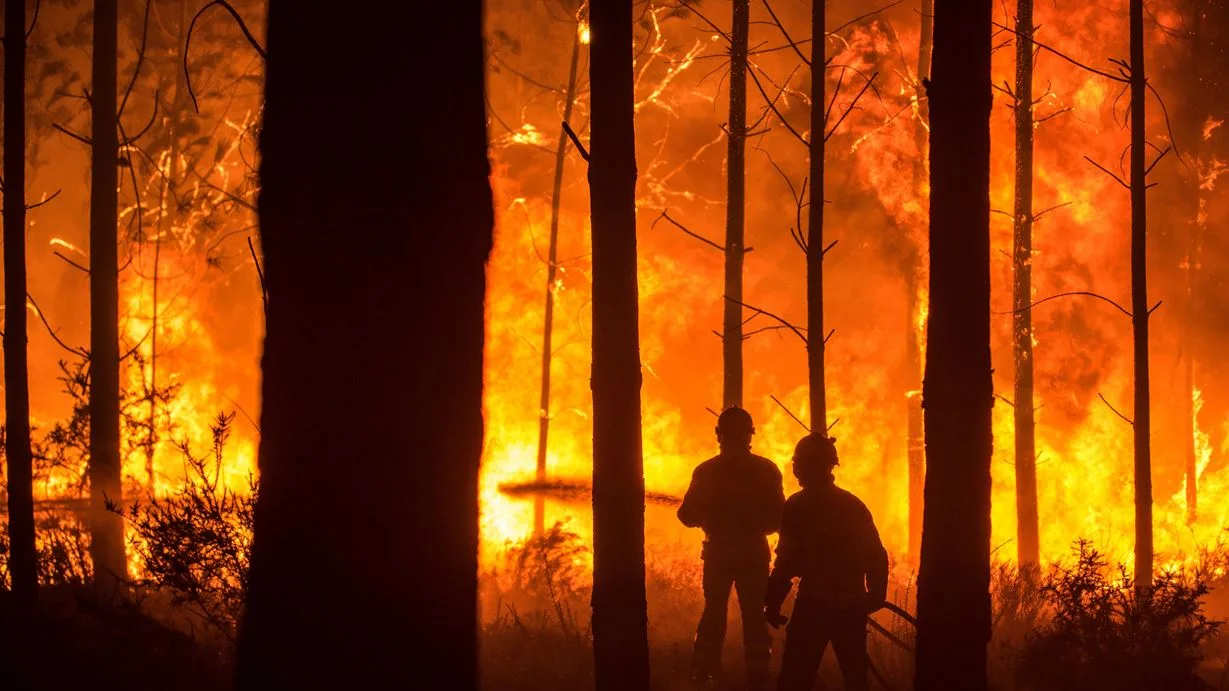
191	298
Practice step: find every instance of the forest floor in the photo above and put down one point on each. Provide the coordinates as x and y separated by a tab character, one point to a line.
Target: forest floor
72	641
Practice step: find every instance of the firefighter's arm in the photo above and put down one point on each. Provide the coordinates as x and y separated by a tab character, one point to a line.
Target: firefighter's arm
787	568
694	510
876	566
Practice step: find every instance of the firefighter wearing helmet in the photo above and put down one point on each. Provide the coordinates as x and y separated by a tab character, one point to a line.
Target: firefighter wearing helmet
829	542
736	497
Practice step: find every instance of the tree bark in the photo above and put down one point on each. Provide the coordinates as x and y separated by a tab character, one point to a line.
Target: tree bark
105	470
373	359
620	619
954	576
1028	540
916	448
735	209
561	152
1139	304
816	383
23	557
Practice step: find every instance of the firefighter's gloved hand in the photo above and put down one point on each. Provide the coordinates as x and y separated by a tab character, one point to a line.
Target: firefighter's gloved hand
775	619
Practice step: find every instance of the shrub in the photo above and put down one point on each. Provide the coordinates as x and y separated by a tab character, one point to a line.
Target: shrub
1103	633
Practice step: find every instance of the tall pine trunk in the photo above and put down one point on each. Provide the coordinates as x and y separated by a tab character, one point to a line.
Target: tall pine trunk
365	561
105	470
1139	303
1028	541
1192	126
561	152
735	209
954	576
815	224
916	448
22	557
620	619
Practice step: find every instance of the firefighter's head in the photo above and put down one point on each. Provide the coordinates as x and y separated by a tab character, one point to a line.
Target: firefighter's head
814	458
734	428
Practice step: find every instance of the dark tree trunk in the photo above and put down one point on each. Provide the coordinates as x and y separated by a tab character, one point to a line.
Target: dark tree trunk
1192	122
916	448
735	243
620	619
1028	541
1139	304
954	576
365	562
561	153
815	224
23	558
105	471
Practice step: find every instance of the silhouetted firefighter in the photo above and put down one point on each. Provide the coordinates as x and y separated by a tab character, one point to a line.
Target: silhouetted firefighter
736	497
829	542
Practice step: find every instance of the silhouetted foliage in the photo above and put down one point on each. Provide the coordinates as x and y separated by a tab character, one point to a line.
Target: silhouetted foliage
196	544
1103	634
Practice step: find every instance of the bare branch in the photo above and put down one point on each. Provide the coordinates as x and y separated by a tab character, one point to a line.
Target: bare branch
1156	161
136	71
260	274
680	226
54	335
1038	216
1062	55
781	27
584	153
1126	419
1107	172
81	138
853	104
797	330
69	261
188	42
855	20
46	201
780	117
790	413
38	5
1085	293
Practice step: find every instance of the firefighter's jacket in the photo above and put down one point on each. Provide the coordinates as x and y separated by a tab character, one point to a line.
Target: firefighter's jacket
829	542
736	497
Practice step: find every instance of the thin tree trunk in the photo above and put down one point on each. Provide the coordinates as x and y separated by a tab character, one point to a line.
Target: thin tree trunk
815	224
954	576
735	209
23	557
168	186
916	448
561	152
620	619
105	471
1139	305
1194	201
379	590
1028	542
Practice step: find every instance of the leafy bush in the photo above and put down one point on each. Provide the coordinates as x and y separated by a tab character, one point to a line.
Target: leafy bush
196	544
1103	633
